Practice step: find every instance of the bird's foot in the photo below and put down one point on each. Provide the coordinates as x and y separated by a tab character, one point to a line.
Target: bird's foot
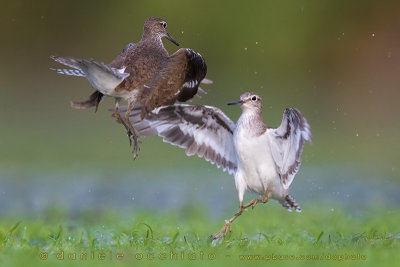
254	202
129	134
136	148
133	138
225	229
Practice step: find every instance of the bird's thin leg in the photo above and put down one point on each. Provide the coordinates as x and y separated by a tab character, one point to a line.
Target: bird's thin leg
227	225
120	120
132	133
242	207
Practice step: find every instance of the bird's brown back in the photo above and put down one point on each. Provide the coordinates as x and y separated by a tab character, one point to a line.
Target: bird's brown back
142	62
165	86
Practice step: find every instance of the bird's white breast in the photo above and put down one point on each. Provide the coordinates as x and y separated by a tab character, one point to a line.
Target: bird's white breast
255	163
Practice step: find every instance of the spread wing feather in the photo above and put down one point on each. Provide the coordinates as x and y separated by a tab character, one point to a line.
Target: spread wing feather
202	130
287	143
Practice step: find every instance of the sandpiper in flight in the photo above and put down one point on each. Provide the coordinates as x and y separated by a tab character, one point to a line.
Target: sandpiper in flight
264	160
143	73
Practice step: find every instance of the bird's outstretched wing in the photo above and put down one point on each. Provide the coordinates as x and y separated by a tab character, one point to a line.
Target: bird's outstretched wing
177	80
287	143
202	130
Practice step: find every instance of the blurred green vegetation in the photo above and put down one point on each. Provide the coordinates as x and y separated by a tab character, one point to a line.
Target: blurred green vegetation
315	232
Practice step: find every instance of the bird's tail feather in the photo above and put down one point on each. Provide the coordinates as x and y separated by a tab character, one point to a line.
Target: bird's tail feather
71	72
290	203
100	76
70	62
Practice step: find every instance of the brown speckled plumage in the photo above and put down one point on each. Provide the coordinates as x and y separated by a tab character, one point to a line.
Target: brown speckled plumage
143	74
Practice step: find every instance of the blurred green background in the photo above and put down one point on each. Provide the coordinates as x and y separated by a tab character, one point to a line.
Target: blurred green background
337	61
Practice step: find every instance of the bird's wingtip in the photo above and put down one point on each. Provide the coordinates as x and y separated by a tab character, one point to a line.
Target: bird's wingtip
207	81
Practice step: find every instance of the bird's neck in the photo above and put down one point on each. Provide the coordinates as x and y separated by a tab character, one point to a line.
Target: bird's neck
151	40
251	121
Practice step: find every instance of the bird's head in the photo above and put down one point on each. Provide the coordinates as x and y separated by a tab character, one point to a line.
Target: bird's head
249	102
157	28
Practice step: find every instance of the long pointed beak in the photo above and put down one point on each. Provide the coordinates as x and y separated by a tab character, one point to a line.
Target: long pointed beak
169	37
239	102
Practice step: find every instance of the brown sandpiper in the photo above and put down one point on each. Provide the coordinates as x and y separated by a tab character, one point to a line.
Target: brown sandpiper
144	74
263	160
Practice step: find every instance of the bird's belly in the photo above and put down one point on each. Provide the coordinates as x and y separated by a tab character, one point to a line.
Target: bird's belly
104	82
257	166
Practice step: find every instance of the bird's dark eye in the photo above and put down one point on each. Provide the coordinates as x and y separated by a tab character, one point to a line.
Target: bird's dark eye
164	25
253	98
